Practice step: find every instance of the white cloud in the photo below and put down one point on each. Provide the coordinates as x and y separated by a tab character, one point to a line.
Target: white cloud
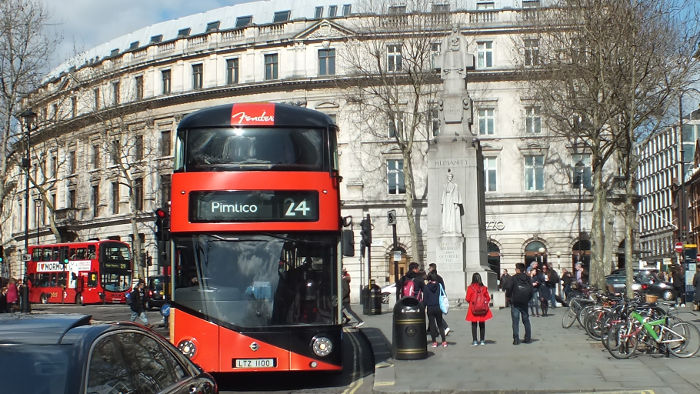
84	24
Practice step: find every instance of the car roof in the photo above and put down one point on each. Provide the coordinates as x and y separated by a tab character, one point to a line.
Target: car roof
38	329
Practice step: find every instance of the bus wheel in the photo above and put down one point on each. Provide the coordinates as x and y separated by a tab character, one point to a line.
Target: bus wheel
79	299
44	299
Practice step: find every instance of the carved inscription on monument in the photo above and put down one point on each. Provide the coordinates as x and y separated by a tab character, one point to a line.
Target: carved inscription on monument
450	252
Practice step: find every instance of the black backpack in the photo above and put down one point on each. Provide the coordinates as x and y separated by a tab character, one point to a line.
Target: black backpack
522	292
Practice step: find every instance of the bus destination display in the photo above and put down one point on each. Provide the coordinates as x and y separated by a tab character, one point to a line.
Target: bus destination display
247	206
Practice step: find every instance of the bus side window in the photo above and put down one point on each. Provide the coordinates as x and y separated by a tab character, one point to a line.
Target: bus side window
91	252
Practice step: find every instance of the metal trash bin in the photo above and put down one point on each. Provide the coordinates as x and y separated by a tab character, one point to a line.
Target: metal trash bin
375	299
364	300
409	340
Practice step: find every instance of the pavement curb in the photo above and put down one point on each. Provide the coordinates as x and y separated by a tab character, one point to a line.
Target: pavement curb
384	371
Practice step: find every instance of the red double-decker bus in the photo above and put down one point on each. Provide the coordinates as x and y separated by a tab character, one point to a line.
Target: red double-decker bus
255	232
79	272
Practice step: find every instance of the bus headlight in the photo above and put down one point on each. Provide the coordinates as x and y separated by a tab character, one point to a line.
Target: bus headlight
187	347
322	346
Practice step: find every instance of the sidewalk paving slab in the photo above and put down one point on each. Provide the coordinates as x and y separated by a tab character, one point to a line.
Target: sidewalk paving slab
559	360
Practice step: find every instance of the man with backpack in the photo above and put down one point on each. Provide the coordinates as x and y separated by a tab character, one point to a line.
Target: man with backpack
520	291
410	284
137	301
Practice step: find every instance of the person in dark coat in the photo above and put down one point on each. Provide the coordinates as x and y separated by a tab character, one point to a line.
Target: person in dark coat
346	301
474	288
544	292
432	267
431	298
414	275
696	284
678	282
520	291
138	302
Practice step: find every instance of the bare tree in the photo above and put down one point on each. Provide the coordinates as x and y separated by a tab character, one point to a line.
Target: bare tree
24	50
391	84
603	75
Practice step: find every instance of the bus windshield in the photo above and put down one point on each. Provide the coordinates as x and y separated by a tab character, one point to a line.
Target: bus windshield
258	280
225	149
116	267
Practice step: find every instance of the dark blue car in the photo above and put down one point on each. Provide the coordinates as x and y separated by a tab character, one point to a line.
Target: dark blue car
51	353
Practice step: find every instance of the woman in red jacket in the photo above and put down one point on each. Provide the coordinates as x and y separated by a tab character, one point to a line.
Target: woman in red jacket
478	312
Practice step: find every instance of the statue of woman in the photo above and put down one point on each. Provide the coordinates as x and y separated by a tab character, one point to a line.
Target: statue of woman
451	212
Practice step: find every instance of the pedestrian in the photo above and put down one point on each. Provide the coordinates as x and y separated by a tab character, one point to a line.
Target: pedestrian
138	302
543	291
432	267
346	302
678	277
3	299
478	298
503	282
551	280
520	292
12	295
535	299
407	285
579	275
431	299
566	280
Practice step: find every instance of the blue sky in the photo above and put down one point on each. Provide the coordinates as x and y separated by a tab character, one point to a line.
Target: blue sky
83	24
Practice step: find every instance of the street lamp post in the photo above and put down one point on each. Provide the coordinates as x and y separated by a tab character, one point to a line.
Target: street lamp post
28	115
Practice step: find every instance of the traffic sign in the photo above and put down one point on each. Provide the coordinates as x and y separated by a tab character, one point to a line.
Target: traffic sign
679	247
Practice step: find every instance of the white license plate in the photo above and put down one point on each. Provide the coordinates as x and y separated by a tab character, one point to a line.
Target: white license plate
255	363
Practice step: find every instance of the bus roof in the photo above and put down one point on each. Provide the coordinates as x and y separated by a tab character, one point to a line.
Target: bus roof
91	242
255	114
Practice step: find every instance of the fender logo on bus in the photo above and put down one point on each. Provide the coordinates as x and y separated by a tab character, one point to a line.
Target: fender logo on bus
253	114
244	118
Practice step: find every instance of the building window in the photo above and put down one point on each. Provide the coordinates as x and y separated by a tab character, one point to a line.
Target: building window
395	126
434	116
74	106
490	174
347	8
484	54
71	199
165	143
435	55
534	173
486	121
394	176
71	162
96	93
396	9
231	71
533	121
115	197
532	52
115	93
114	151
197	76
582	171
138	148
54	166
326	61
164	190
281	16
165	76
332	10
95	156
393	53
319	12
139	87
138	194
485	5
95	200
243	21
271	66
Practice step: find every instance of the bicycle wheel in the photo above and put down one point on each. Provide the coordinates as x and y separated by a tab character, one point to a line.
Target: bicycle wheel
583	314
683	339
597	323
621	340
568	319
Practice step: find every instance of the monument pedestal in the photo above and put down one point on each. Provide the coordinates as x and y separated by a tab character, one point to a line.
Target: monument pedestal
449	257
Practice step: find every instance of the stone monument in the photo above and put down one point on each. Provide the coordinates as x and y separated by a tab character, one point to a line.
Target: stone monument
456	215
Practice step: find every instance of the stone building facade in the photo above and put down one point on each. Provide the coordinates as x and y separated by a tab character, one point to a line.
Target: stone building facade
127	96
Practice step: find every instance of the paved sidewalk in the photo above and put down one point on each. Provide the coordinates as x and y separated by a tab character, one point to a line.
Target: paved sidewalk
558	360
